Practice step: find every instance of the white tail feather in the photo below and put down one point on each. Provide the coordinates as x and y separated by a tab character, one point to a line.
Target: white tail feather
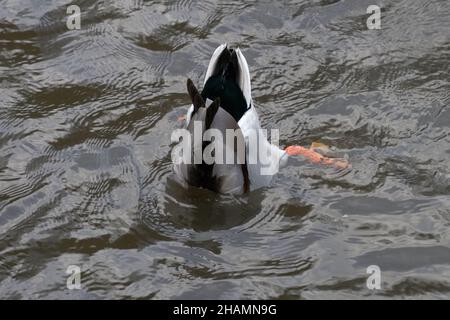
213	61
244	82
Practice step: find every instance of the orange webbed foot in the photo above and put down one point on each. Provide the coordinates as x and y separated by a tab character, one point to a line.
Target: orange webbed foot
316	157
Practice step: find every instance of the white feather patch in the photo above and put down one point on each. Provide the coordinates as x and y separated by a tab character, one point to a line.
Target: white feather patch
244	77
213	61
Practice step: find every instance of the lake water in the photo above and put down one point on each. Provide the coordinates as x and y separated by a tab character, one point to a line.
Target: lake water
85	168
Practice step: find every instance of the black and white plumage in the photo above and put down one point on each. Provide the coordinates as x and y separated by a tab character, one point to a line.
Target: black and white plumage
227	84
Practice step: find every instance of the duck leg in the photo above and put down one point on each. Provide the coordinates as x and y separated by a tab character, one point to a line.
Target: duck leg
316	157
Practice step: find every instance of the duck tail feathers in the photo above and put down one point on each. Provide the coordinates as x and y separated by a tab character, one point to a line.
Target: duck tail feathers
214	61
233	63
244	77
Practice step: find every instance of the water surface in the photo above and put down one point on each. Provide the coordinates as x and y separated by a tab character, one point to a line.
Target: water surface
85	170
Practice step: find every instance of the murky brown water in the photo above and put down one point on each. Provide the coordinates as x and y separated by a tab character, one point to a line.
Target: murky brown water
85	123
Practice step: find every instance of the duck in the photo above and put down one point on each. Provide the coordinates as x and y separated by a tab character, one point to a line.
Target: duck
224	103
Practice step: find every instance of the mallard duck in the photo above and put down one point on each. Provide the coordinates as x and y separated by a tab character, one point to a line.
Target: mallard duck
226	103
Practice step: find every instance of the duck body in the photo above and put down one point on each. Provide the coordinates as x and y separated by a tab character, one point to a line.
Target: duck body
227	84
219	176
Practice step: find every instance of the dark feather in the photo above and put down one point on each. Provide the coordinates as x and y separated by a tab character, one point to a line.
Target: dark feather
195	96
223	83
